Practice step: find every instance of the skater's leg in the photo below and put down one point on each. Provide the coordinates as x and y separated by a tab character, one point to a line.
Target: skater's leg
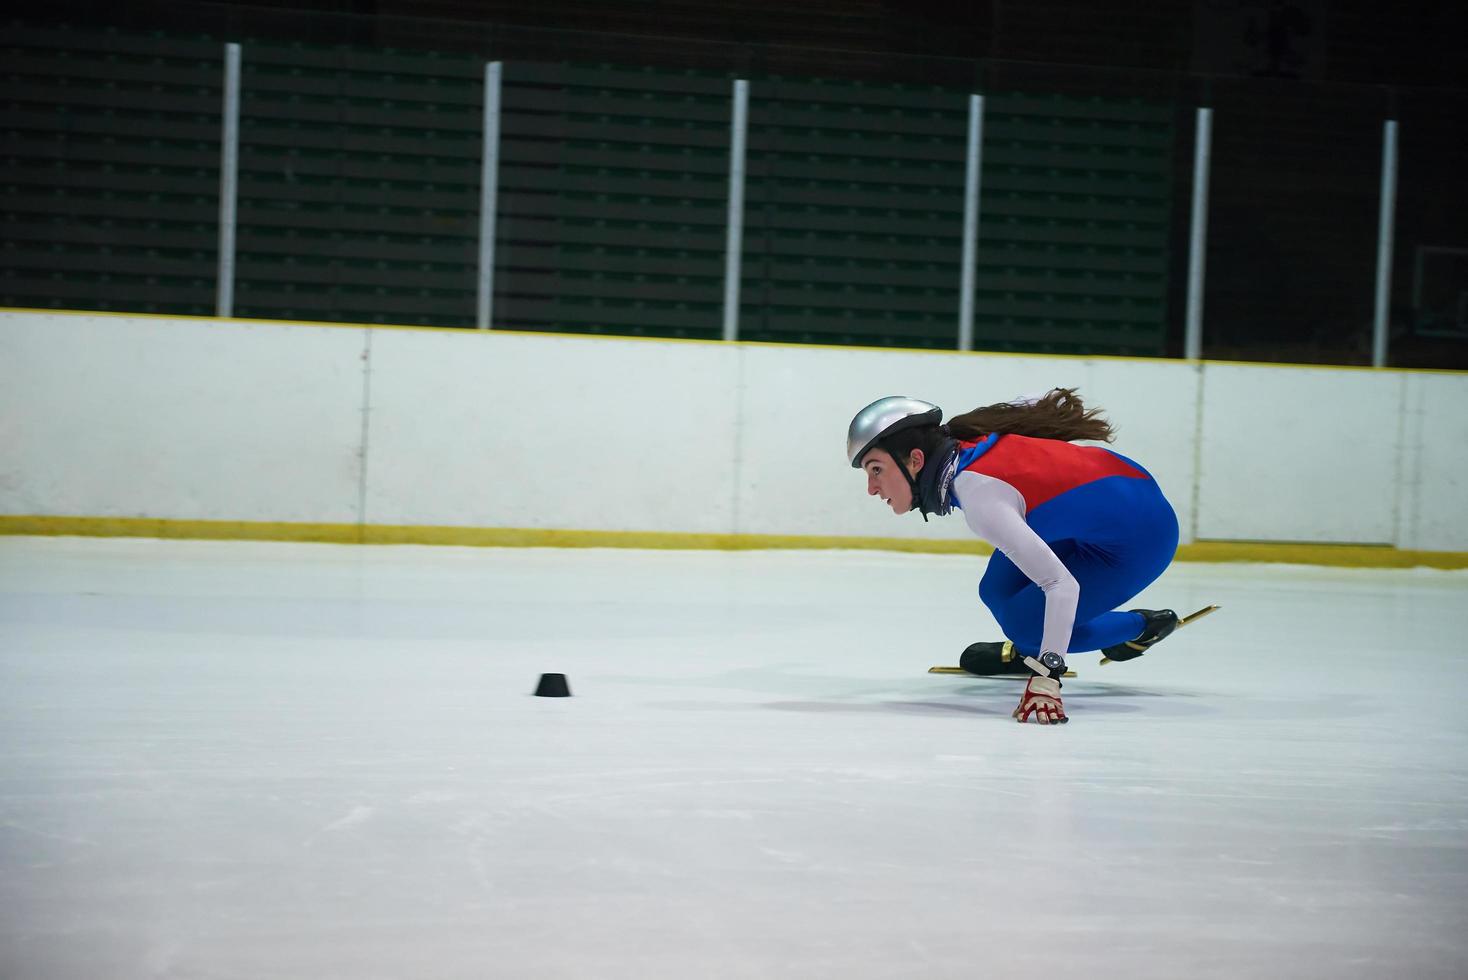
1109	572
1019	604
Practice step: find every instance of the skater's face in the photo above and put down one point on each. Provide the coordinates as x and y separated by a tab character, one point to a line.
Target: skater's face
885	480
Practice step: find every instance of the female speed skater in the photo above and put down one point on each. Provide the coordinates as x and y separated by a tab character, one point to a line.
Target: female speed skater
1077	530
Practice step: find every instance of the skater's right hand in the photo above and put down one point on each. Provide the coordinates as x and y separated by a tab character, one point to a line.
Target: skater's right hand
1041	703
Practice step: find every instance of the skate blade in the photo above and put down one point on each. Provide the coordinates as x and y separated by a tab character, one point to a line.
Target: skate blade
1194	617
1190	618
960	670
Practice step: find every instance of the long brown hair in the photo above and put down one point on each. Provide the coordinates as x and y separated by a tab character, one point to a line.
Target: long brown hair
1058	415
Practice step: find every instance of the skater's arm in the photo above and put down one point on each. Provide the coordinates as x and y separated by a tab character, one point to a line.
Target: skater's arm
995	511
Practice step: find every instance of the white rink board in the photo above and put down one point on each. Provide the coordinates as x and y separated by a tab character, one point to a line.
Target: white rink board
1299	454
1434	480
111	416
481	430
179	419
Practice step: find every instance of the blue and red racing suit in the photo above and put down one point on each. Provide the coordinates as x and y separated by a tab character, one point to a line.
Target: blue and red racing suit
1078	531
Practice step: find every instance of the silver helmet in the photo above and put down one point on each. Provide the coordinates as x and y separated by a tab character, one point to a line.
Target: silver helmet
882	418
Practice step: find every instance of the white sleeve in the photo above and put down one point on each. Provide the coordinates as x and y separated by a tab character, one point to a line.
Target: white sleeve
995	511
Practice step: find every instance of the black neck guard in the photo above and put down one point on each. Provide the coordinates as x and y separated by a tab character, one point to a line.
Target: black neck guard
931	488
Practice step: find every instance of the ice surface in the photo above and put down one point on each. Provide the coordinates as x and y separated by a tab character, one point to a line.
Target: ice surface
224	760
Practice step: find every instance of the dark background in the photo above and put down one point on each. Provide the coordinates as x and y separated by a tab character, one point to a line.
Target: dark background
1412	42
1299	90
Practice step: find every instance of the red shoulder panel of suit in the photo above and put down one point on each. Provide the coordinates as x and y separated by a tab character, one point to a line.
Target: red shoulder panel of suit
1042	469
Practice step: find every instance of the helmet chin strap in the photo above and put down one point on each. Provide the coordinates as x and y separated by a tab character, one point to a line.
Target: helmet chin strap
913	486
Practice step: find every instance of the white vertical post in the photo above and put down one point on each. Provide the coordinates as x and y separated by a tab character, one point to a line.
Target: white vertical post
489	185
1384	242
734	243
1198	241
970	222
229	170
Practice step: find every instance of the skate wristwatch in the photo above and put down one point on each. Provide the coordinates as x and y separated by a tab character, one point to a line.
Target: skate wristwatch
1047	664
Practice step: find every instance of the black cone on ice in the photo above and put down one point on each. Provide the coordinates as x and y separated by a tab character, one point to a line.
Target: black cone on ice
552	686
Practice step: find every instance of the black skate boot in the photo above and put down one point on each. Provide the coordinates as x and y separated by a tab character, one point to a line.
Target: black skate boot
989	659
1159	625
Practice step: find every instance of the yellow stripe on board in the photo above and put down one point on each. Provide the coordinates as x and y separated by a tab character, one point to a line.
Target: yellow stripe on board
479	537
1304	553
148	527
1342	555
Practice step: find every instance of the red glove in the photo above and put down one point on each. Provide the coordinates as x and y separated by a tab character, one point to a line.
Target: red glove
1041	703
